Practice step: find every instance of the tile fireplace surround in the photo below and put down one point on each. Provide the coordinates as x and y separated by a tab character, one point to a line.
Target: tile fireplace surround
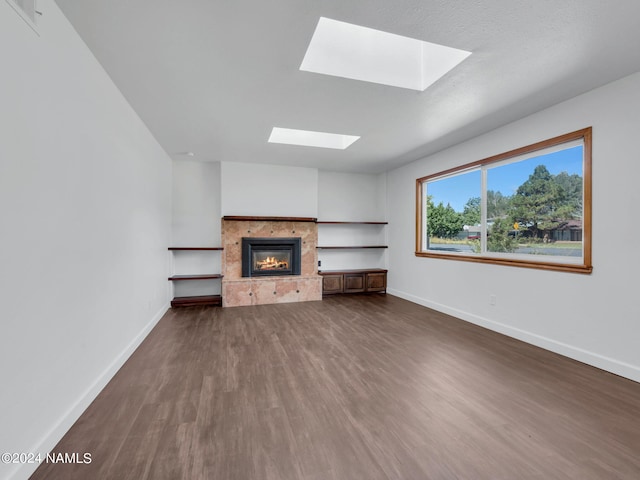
238	291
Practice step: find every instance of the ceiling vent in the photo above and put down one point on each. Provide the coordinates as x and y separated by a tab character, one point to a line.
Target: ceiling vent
27	10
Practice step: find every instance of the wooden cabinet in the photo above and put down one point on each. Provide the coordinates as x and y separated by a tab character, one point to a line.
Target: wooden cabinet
332	283
201	300
354	281
376	281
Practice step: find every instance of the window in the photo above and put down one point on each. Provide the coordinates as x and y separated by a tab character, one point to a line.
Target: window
530	207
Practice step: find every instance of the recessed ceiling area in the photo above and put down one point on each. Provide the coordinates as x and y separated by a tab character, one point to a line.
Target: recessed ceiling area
214	78
350	51
291	136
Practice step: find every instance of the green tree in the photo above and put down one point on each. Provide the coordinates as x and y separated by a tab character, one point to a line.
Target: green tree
498	239
471	212
443	222
536	201
498	205
570	196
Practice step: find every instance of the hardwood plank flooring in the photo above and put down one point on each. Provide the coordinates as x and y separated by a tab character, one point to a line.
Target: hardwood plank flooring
352	387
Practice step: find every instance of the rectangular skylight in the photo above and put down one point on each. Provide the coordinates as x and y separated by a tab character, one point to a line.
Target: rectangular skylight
310	138
360	53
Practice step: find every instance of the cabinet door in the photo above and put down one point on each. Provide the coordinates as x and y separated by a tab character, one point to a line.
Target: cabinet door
354	282
331	284
376	282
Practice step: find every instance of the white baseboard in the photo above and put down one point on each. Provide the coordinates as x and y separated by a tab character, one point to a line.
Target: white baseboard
611	365
51	438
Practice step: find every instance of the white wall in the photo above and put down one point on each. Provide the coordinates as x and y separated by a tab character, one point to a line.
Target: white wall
593	318
351	197
269	190
196	223
86	218
354	197
196	204
203	192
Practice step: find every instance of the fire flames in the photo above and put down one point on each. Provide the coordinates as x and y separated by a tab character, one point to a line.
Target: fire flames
271	263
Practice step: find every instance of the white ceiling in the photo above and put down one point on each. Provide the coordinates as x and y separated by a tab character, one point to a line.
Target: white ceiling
214	76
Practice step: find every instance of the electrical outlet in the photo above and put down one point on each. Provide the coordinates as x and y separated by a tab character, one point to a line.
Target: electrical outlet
492	300
319	263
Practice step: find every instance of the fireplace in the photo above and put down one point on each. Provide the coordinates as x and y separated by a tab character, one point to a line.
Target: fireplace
301	284
270	256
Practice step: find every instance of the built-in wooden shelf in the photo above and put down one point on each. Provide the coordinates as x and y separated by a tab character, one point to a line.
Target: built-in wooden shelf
269	219
336	247
363	280
350	223
205	276
195	248
202	300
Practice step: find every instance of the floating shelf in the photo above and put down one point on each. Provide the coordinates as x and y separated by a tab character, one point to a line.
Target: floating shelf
335	247
203	300
352	223
195	248
205	276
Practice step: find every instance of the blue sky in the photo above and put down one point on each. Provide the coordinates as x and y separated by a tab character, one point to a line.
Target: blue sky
505	179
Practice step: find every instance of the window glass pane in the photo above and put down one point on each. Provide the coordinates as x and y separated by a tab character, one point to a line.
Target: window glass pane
453	213
534	206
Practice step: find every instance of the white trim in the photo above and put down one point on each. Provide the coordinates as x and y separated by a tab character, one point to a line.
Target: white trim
558	147
24	16
483	210
608	364
542	258
53	436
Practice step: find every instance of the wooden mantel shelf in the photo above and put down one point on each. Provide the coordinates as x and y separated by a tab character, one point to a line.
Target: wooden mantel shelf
268	219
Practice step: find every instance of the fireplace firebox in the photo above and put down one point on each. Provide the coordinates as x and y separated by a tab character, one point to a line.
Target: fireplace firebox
270	256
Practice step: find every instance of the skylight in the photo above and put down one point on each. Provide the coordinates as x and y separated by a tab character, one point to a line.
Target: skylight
360	53
310	138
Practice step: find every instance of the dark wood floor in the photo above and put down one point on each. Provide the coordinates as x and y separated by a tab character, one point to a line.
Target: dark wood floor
353	387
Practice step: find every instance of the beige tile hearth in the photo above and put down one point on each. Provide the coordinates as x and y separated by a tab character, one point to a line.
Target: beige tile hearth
266	290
